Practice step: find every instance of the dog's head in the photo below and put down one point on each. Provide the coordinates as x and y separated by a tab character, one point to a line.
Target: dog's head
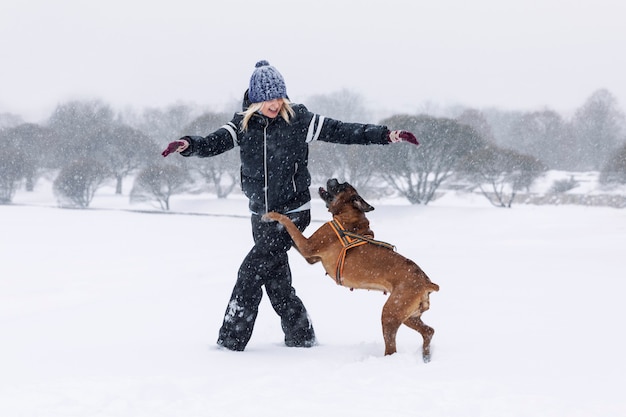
338	196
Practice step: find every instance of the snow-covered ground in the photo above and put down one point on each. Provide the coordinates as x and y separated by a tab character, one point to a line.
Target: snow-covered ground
113	312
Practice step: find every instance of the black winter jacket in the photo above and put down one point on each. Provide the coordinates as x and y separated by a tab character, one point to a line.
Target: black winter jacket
274	153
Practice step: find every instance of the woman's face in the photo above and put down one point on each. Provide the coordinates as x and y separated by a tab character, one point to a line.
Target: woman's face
271	108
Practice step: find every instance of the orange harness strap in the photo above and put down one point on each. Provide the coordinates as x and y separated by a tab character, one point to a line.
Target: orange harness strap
350	240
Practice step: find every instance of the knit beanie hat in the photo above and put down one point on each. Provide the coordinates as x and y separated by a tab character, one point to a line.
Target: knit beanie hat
266	83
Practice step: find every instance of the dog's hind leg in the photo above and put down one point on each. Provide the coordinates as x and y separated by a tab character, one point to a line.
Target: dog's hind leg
391	321
416	323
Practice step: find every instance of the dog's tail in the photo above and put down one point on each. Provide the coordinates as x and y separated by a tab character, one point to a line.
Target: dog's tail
425	300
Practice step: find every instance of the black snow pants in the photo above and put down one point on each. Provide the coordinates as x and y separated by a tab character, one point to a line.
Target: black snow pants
267	265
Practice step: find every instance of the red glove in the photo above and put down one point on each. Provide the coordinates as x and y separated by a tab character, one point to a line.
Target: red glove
395	136
176	146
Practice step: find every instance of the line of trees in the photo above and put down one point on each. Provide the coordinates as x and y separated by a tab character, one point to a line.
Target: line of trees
85	144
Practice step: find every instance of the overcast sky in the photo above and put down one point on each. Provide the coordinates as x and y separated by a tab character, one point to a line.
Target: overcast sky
399	55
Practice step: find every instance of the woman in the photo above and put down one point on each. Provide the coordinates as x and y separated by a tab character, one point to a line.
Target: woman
273	137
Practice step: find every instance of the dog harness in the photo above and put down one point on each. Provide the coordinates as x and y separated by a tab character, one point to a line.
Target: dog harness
351	240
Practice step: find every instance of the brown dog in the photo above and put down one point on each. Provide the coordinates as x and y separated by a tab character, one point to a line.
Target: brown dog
349	253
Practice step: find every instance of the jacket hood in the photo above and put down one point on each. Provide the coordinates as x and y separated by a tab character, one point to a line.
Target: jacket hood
246	101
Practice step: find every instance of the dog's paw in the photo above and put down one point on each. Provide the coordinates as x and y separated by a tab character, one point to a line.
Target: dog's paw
269	217
426	354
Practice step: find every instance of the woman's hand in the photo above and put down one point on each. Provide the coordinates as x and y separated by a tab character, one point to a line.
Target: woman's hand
176	146
395	136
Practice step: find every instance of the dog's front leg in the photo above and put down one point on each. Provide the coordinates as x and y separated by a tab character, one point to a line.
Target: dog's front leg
296	235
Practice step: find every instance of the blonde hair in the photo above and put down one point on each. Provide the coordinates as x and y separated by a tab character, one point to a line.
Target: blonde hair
286	112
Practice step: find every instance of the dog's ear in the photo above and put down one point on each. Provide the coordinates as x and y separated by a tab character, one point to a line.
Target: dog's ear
361	204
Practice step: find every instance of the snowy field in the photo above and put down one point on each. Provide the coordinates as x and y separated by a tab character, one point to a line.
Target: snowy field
113	312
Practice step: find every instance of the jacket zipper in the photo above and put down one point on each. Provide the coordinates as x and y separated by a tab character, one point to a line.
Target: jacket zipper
265	188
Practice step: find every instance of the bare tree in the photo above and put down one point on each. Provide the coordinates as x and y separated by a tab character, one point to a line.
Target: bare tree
501	173
123	150
157	183
477	121
76	124
11	173
33	143
77	183
417	172
220	172
614	171
163	125
598	128
501	122
546	136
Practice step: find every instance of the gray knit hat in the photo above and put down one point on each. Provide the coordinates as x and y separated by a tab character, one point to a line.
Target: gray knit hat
266	83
